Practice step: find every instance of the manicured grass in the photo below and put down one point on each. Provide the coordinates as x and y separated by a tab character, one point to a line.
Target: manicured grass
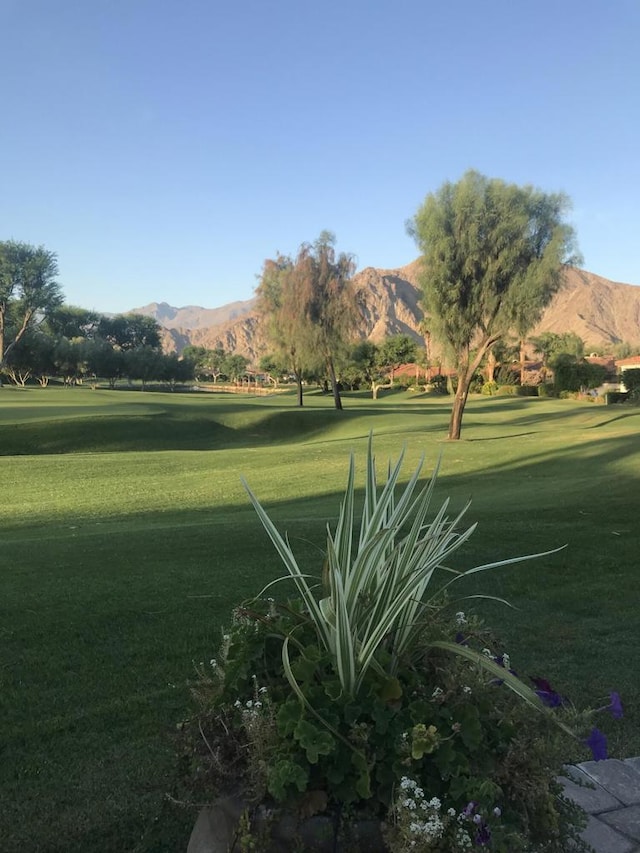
127	538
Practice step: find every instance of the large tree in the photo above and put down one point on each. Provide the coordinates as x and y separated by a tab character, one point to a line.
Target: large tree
492	252
28	290
328	303
279	305
309	308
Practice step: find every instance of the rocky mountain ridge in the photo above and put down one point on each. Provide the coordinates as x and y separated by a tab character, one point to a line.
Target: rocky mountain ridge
600	311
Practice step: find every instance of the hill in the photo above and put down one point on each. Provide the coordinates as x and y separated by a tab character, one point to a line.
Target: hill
600	311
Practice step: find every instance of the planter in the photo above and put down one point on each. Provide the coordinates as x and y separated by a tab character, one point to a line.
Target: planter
217	831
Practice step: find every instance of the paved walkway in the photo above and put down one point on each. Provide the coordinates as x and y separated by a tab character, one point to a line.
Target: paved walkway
612	802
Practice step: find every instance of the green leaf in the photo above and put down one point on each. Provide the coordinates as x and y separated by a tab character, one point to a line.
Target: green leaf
285	774
470	728
391	690
382	716
333	689
448	760
419	710
363	780
424	740
303	669
313	740
288	717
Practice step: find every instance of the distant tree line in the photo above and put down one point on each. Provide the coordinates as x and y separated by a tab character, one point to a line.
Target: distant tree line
42	338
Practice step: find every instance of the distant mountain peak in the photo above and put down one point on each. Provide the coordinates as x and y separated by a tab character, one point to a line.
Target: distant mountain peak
600	311
190	317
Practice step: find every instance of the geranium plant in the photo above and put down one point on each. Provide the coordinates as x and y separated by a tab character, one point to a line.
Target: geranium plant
369	694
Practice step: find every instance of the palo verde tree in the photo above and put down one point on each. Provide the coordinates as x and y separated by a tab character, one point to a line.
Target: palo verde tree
28	290
488	248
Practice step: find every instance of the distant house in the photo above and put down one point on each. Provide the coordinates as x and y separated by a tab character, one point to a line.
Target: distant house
606	361
630	363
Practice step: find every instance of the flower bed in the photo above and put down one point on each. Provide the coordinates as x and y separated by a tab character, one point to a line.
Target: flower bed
368	695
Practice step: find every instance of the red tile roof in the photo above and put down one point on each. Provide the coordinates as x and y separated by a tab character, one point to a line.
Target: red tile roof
628	362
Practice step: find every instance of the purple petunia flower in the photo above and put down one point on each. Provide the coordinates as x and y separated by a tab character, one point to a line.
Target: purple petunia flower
470	808
597	743
461	640
616	706
546	693
483	835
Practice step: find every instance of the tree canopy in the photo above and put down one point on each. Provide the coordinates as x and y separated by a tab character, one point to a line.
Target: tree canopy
28	290
130	331
550	345
630	378
492	258
279	305
309	307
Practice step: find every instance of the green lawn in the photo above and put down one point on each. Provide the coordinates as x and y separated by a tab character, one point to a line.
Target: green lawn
127	537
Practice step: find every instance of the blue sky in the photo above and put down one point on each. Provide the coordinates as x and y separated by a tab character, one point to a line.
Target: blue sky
165	148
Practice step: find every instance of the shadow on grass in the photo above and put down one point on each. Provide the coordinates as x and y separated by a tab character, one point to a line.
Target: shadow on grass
617	417
173	429
98	628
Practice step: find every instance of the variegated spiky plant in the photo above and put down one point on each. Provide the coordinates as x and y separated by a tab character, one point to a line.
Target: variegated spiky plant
379	577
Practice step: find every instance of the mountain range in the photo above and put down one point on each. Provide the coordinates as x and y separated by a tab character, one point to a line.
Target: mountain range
600	311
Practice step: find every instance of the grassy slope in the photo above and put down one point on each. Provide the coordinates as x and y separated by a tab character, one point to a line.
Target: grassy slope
127	538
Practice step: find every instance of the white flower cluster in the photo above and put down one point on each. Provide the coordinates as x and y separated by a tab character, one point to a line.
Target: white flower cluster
425	822
252	708
462	839
461	619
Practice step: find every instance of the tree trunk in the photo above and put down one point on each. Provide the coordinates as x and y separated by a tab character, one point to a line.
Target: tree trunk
299	388
491	366
465	374
2	322
522	360
375	388
459	402
334	385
